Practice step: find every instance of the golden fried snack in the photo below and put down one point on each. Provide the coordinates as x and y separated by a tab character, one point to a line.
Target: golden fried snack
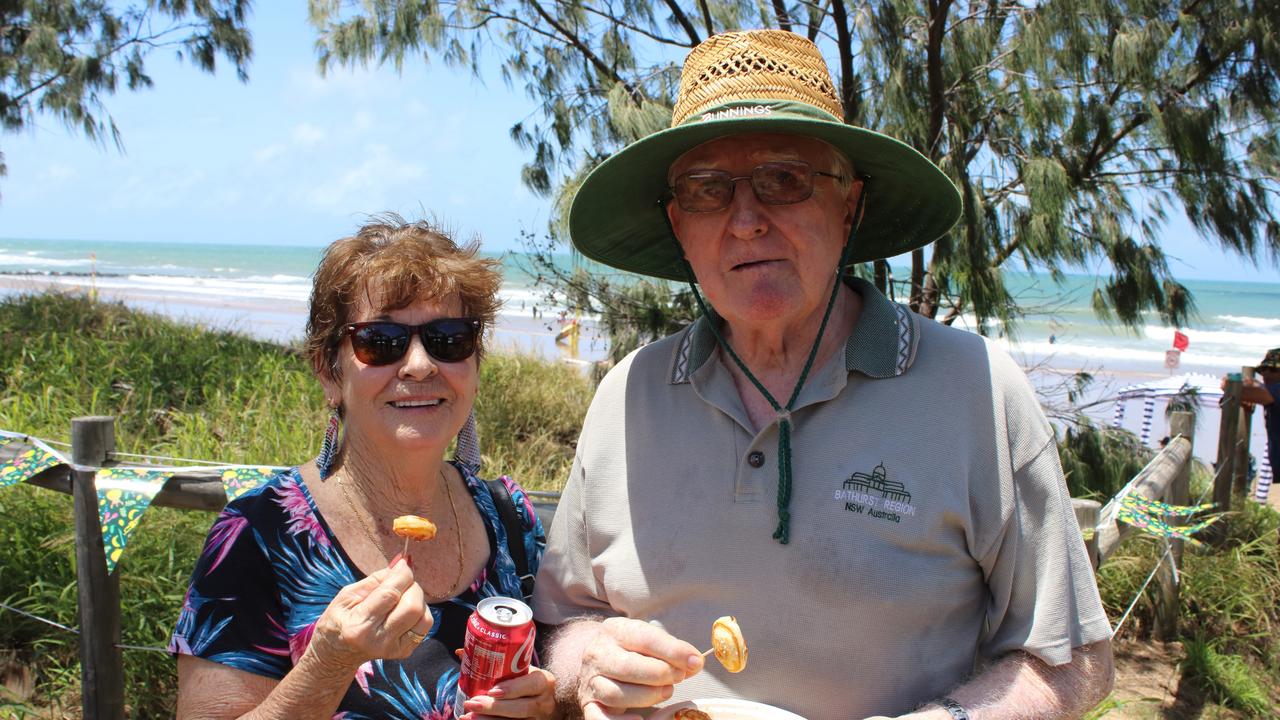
691	714
727	641
414	527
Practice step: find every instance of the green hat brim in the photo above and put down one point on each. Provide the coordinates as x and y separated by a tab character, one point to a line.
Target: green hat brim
616	217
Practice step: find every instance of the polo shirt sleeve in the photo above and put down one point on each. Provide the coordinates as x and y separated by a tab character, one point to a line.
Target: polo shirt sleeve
1043	595
567	586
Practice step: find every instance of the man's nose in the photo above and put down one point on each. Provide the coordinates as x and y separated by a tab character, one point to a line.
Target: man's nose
746	213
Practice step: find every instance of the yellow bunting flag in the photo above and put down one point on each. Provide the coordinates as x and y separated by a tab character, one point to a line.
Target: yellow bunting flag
123	495
26	465
1149	516
237	481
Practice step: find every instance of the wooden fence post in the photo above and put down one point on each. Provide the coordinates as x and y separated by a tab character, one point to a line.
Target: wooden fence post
1228	430
1179	493
101	661
1087	512
1240	486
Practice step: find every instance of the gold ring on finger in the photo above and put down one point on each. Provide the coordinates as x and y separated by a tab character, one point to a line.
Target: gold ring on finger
415	637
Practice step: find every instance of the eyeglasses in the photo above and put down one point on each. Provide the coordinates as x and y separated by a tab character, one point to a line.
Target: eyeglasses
784	182
382	342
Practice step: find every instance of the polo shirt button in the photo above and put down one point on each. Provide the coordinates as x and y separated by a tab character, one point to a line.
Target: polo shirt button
755	459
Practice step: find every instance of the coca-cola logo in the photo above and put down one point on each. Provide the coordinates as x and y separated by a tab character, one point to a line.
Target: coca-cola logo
523	657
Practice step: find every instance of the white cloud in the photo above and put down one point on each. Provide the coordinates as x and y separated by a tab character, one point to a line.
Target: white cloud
268	153
363	120
307	135
365	186
58	172
168	189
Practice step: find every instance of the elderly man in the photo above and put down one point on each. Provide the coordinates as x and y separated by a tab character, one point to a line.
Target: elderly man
876	497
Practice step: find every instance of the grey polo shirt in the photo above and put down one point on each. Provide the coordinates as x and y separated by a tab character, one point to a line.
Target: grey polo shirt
930	525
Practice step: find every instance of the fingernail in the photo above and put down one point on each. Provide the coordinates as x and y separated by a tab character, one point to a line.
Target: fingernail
496	692
695	662
395	560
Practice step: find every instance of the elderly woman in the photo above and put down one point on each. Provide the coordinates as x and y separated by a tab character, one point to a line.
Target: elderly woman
303	604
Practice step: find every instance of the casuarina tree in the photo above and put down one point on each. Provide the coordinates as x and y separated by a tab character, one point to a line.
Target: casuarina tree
60	58
1073	128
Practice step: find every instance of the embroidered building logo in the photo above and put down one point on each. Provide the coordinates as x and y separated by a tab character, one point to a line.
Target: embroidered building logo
876	496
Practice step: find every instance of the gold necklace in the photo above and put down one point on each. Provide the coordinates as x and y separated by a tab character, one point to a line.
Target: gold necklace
457	526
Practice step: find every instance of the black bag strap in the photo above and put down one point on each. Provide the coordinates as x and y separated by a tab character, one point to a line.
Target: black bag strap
514	524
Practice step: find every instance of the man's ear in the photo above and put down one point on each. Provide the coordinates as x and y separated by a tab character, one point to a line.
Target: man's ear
856	188
673	217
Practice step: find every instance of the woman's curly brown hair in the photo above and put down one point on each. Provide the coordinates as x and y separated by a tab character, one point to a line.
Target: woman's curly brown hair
408	262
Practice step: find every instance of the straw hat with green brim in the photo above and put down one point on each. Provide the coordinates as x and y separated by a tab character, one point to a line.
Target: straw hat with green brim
759	81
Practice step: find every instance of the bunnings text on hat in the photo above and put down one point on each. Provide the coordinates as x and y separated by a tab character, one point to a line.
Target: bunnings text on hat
738	112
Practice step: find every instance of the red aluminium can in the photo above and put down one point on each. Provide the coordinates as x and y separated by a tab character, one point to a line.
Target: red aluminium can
498	645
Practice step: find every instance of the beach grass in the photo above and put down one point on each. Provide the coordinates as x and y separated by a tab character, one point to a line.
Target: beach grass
189	392
183	391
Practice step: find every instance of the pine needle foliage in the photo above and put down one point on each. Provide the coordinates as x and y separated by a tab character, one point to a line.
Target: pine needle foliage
1073	128
61	58
1098	461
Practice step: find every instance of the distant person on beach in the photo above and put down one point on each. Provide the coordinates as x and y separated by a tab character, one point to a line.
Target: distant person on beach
1263	390
876	497
304	603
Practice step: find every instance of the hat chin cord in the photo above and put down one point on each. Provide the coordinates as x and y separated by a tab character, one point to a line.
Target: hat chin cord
783	532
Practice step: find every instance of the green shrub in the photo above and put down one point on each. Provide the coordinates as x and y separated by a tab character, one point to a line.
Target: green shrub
188	392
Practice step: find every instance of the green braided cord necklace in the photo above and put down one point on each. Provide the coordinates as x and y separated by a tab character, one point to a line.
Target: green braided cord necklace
783	533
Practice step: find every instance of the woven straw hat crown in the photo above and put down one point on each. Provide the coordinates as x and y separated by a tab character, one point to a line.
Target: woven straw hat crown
754	66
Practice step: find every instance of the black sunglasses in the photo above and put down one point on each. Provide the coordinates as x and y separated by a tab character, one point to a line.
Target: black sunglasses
382	342
784	182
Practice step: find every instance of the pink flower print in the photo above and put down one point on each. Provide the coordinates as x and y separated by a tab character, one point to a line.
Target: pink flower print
223	535
299	642
278	633
301	519
363	673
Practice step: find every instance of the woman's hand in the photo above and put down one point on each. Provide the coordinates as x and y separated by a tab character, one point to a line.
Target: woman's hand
383	616
527	696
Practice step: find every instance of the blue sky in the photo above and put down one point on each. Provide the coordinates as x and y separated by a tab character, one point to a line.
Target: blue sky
294	158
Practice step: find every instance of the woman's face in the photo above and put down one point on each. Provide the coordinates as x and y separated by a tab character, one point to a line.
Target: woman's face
417	403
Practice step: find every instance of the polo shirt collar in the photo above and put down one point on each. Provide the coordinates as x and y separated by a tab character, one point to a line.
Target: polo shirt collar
882	344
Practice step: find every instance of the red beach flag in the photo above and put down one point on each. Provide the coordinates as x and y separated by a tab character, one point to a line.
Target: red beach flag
1180	341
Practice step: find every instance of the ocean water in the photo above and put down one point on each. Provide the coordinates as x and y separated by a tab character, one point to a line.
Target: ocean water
263	289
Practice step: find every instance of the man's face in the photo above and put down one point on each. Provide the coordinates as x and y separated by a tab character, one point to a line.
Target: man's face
760	264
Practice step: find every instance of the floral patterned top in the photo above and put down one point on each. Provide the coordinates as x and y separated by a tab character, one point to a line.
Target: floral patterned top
271	566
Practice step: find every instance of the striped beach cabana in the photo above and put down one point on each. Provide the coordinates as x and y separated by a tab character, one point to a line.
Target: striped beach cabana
1158	393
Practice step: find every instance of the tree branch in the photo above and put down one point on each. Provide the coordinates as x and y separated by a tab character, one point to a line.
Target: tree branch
683	19
844	42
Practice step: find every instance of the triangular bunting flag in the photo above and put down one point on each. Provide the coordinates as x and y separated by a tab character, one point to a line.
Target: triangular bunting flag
1155	507
26	465
239	480
123	495
1147	516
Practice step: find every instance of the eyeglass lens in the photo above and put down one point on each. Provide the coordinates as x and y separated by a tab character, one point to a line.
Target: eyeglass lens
774	183
383	342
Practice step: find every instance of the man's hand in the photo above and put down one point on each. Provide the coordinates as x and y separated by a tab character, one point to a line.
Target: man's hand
631	664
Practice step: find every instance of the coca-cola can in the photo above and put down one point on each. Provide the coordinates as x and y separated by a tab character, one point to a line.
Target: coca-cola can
498	645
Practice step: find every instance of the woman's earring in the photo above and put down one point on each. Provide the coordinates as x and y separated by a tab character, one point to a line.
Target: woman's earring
329	448
467	450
